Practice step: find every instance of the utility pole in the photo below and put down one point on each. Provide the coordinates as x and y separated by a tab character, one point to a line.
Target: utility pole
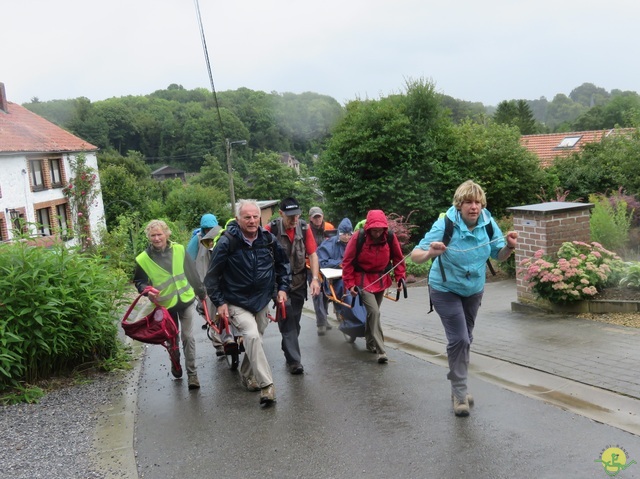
232	192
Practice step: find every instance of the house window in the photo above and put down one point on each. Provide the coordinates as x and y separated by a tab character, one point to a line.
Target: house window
569	141
37	180
44	221
18	223
56	173
63	221
3	234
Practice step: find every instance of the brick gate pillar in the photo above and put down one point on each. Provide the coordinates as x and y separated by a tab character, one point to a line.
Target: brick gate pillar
546	226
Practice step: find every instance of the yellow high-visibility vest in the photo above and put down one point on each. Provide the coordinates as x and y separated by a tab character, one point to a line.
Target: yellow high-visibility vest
171	284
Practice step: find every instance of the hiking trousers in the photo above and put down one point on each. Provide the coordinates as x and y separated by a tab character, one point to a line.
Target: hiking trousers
458	316
251	327
373	327
290	327
185	324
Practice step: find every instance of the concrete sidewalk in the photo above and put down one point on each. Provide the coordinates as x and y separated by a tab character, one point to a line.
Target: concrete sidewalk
588	367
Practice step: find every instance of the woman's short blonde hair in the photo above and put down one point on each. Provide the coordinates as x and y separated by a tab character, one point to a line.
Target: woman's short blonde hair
469	191
157	224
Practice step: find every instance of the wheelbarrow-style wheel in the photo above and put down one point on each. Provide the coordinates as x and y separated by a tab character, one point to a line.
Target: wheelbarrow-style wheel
233	360
232	353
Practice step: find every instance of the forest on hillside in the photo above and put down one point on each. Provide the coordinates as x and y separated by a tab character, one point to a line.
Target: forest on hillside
404	154
180	127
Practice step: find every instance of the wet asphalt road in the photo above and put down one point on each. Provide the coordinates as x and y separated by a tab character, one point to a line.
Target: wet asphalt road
349	417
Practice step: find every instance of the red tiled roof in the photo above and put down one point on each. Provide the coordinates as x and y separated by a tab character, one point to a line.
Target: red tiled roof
23	131
546	147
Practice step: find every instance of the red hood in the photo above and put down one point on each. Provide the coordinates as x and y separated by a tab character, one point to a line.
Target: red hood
376	219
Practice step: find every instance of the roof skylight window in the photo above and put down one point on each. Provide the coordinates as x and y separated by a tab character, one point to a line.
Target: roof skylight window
569	141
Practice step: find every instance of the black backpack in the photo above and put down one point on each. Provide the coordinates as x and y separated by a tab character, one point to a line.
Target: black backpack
235	243
446	239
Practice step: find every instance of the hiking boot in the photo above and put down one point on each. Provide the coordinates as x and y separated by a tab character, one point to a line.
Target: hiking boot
268	394
382	358
296	368
219	350
322	330
460	408
469	399
250	383
193	382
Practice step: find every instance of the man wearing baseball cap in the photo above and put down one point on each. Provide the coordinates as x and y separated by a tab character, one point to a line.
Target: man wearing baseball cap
321	230
297	239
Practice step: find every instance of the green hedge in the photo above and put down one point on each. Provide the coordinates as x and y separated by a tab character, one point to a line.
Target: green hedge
56	312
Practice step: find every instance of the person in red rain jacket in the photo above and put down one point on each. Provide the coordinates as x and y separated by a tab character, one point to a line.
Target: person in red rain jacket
367	273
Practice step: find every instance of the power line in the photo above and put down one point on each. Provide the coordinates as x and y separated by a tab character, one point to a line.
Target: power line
206	58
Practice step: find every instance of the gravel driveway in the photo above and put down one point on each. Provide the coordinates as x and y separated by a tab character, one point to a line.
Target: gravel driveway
53	439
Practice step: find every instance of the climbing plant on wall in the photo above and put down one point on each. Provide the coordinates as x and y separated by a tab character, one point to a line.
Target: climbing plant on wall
82	192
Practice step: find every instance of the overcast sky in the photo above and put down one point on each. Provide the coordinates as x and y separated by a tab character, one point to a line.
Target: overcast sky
485	51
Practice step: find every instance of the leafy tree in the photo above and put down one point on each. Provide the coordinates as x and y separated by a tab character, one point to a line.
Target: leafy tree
177	93
133	162
211	174
602	166
539	109
461	110
492	156
59	112
589	95
563	110
119	118
387	154
506	112
623	110
124	194
516	113
187	203
88	125
255	109
270	179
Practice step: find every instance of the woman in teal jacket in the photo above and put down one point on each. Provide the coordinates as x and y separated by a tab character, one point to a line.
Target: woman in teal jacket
457	295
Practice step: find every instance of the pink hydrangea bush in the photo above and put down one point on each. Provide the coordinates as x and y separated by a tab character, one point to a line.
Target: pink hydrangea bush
579	272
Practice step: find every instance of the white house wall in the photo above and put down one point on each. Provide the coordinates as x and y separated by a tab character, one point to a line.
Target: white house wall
15	189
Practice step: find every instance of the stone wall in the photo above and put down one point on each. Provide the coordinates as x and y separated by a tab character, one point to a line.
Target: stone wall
546	226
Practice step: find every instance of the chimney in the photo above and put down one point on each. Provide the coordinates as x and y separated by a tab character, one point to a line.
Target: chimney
3	99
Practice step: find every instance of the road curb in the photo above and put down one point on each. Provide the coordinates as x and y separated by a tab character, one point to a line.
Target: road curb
594	403
115	432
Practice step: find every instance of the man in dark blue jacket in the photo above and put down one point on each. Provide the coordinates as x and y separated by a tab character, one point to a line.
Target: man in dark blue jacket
248	269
